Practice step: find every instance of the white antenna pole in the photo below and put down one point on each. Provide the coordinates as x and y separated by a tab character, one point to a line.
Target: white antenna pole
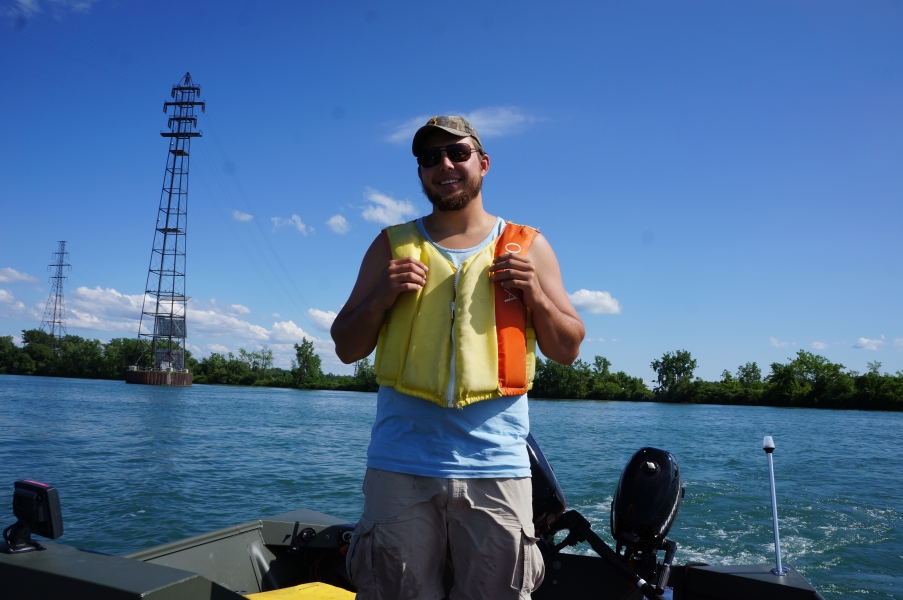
768	446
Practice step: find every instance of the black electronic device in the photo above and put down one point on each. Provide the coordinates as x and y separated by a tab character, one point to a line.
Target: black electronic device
36	505
548	498
644	509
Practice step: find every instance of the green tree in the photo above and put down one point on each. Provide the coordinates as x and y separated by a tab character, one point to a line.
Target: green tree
14	360
307	369
601	368
36	344
365	376
118	354
266	360
674	372
606	385
554	380
750	376
809	380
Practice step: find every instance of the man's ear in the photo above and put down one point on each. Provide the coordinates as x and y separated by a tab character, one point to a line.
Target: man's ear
419	174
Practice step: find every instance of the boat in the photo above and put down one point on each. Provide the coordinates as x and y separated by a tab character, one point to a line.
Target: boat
301	554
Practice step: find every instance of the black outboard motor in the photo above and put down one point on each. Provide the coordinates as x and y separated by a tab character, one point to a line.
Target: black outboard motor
643	511
549	517
548	498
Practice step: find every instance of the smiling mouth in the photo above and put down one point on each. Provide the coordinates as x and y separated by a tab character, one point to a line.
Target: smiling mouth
449	181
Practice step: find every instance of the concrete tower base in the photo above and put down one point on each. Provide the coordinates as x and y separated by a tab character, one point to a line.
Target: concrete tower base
158	378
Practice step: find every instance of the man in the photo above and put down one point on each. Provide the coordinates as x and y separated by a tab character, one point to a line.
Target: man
454	303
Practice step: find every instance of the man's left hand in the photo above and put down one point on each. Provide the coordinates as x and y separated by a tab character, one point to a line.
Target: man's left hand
559	329
515	271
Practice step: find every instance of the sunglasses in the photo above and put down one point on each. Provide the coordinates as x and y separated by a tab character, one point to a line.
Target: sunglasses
455	153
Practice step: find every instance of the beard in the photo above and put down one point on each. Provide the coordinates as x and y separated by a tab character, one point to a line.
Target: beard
456	201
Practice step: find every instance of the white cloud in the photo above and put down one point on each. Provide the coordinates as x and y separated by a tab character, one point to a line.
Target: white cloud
214	323
288	332
321	319
819	345
898	343
405	132
489	121
10	275
214	326
240	216
103	309
80	6
496	121
867	344
777	343
385	209
294	221
339	224
593	302
6	296
29	8
18	310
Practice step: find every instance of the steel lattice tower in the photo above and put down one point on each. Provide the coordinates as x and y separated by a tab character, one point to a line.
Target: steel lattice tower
54	321
164	311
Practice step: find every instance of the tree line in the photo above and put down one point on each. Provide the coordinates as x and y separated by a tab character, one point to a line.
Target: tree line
806	380
74	356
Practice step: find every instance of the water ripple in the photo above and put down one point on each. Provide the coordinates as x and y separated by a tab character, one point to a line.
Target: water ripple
141	465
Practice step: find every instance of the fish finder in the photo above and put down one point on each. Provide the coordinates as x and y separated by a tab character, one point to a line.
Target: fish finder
36	505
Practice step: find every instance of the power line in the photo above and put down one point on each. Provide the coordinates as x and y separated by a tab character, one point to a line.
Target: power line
250	208
262	254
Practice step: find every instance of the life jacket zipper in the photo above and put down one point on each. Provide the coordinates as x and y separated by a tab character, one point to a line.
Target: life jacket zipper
450	391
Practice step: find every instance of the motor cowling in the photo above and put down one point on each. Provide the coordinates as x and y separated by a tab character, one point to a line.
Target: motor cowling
647	500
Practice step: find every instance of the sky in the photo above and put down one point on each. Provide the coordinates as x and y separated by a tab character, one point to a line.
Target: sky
718	177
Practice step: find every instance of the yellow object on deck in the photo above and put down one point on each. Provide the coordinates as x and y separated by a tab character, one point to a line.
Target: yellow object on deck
307	591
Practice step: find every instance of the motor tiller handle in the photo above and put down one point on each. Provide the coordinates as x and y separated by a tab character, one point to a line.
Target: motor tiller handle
581	531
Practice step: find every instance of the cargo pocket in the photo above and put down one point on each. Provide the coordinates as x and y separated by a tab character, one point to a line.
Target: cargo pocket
359	559
530	569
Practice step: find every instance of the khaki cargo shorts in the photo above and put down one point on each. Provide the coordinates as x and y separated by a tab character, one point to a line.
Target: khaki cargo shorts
412	525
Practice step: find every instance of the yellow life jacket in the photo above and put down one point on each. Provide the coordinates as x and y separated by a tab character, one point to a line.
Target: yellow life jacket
460	314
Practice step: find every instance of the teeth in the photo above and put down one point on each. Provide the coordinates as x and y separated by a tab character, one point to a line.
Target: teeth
447	181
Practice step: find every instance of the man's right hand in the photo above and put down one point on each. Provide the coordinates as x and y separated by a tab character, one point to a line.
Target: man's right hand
379	283
402	275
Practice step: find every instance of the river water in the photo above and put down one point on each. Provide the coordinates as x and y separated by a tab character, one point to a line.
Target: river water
138	466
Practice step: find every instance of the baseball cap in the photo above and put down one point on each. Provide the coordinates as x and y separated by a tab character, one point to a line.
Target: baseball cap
454	125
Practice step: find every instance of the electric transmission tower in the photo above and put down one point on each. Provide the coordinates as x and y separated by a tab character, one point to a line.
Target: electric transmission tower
163	314
54	321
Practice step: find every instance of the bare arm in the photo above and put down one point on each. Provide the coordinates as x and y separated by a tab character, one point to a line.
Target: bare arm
559	329
379	282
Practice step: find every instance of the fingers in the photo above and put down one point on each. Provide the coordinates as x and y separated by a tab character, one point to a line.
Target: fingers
407	270
405	275
512	267
511	261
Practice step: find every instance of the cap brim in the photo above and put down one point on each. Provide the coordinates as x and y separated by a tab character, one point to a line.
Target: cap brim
427	130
